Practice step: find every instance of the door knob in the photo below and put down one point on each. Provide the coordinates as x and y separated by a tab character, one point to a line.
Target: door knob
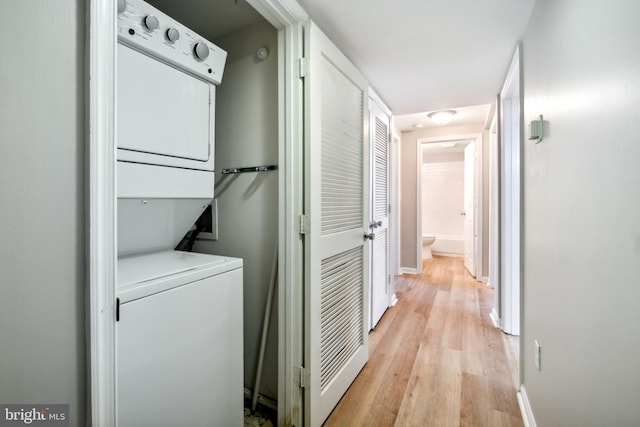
463	213
375	224
369	236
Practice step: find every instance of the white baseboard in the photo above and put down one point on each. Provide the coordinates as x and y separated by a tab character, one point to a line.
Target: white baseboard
525	408
394	300
407	270
449	254
484	279
494	318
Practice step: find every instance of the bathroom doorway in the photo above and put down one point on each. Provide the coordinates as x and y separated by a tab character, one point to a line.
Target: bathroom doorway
448	199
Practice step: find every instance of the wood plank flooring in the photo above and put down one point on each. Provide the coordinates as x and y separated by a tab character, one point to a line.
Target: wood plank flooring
435	359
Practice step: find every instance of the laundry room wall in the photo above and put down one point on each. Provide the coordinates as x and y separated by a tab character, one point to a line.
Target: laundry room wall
247	135
42	205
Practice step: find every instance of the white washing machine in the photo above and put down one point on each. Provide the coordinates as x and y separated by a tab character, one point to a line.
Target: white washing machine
179	340
179	329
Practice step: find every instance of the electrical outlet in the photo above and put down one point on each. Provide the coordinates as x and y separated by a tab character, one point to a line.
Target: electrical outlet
536	355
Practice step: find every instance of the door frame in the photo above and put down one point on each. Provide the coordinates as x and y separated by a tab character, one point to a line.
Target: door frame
478	190
287	16
494	214
507	312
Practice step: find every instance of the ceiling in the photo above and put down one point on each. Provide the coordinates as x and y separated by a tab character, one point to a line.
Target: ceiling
419	55
425	55
472	115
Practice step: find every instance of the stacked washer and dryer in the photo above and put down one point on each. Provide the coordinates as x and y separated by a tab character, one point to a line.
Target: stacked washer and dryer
179	315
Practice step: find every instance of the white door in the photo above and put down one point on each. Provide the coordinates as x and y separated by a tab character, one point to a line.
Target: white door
337	205
379	225
469	211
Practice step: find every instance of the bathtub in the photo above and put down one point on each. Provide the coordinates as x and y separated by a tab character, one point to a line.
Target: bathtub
448	245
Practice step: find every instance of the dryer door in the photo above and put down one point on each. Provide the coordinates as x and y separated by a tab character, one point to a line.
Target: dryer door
165	116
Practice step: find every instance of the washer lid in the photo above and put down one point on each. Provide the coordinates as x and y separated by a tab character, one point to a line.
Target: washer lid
143	275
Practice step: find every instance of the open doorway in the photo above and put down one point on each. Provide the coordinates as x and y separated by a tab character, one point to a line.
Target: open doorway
282	40
448	200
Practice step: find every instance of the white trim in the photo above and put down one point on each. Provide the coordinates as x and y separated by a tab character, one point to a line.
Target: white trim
494	207
373	95
477	137
495	318
394	300
484	279
408	270
101	211
511	200
395	196
525	408
280	13
479	208
288	16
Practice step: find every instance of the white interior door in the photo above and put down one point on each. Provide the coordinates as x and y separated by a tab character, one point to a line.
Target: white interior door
379	225
469	211
337	205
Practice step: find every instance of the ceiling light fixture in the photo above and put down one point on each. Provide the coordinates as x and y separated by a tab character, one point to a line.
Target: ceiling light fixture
442	117
418	125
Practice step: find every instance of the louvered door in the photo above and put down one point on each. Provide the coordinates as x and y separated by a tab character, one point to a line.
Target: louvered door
337	204
379	225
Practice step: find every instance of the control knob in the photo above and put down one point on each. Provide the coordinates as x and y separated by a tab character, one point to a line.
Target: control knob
173	35
201	50
151	22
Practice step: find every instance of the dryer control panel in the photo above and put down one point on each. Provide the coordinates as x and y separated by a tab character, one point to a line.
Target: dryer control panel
145	28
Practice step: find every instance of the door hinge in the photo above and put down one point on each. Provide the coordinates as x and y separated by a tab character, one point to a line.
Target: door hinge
303	376
389	210
303	225
303	67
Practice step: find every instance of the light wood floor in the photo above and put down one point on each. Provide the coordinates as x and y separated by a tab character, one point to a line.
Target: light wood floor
435	359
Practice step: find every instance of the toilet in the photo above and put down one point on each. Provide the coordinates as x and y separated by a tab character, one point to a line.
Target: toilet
427	241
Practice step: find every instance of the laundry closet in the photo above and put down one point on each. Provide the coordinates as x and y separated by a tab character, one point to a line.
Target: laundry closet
241	224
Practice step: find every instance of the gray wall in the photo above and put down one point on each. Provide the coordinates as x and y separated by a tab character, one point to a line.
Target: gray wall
247	135
581	220
408	181
42	178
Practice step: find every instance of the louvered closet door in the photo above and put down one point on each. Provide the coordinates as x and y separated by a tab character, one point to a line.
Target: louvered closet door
337	204
380	278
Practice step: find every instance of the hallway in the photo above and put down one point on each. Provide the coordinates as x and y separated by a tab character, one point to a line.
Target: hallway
435	359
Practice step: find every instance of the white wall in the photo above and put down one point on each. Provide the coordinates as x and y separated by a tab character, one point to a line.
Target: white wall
443	200
42	204
247	135
581	213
